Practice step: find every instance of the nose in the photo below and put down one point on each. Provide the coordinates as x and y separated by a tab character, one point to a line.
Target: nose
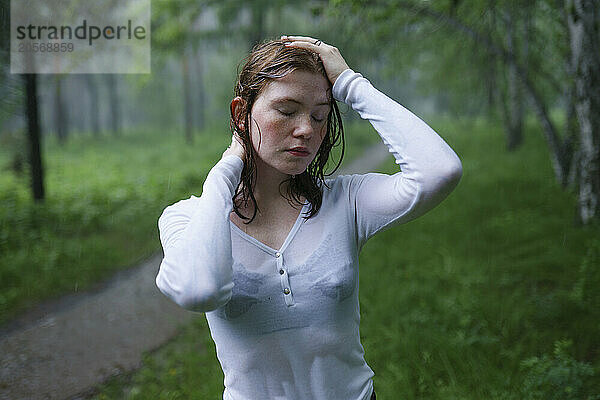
304	127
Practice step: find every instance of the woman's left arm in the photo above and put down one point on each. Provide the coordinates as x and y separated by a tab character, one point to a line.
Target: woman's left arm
430	169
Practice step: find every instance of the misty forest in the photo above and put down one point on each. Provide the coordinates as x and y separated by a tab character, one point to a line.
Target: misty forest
495	294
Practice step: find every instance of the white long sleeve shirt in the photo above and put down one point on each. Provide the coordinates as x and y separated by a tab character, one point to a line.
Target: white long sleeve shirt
286	321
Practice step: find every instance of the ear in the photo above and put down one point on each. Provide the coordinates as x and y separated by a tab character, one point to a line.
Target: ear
237	110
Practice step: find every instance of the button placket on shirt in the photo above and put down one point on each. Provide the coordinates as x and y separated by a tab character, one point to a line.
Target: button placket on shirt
285	282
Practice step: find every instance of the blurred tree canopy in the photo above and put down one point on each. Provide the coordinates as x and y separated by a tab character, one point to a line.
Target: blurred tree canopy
546	51
504	59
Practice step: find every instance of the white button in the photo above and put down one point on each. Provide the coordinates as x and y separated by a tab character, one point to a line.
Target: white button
278	254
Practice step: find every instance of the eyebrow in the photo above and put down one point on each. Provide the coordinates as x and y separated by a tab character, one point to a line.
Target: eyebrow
289	99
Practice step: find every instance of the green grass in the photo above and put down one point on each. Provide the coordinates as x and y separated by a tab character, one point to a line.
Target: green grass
492	295
481	283
103	200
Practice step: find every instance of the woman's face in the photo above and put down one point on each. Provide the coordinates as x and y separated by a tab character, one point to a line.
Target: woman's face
292	115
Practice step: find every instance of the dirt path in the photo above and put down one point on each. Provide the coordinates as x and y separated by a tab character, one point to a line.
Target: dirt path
62	349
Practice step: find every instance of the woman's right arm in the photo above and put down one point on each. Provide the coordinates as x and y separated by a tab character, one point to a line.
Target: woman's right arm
196	271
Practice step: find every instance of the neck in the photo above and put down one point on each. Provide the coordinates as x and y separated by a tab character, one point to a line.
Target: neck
267	189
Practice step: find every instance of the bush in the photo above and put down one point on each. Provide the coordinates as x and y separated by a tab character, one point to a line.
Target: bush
558	376
585	292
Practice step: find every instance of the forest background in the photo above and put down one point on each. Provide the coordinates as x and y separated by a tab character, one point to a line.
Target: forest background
88	161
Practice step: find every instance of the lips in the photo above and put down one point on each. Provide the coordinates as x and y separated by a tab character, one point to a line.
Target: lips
298	151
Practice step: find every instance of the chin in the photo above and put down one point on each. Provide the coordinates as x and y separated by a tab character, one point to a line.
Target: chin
289	168
296	171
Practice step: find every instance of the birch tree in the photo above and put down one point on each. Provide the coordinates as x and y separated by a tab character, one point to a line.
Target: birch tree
583	19
542	82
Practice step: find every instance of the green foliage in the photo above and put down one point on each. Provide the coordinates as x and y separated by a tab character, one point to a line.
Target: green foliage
103	199
173	23
559	377
450	48
587	290
13	155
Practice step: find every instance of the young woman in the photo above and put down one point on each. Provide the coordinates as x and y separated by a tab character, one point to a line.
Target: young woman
269	251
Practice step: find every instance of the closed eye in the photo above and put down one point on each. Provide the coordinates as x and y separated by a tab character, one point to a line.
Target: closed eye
285	112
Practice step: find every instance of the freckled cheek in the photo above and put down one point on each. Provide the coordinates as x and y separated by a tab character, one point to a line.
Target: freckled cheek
271	133
323	131
277	128
318	139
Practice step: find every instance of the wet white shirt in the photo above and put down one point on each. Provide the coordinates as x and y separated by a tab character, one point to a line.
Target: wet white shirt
286	321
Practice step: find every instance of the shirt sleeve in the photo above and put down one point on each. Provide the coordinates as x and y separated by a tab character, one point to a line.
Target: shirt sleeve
430	169
196	270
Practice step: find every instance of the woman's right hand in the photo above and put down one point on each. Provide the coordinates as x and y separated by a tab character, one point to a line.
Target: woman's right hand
333	61
235	148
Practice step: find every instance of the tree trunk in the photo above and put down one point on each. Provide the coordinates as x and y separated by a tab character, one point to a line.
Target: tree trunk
199	89
34	138
514	117
258	22
94	112
187	97
584	26
491	78
61	118
557	156
571	143
572	130
113	95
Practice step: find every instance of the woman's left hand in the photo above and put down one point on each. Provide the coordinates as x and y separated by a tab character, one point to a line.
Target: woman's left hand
333	61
